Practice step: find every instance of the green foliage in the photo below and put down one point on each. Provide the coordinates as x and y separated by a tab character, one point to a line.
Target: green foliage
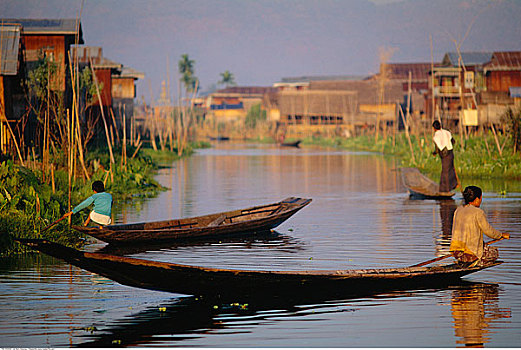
26	206
39	78
254	116
187	70
478	158
227	79
512	118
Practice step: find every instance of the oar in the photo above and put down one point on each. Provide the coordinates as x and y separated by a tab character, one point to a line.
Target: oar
54	223
446	256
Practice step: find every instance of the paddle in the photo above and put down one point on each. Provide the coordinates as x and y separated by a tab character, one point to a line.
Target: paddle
446	256
54	223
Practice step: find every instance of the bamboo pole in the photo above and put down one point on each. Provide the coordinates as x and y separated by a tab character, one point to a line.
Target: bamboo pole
407	134
115	125
112	161
15	143
75	106
124	145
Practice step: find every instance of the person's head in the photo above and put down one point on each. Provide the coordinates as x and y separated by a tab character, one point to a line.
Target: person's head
436	125
472	195
97	186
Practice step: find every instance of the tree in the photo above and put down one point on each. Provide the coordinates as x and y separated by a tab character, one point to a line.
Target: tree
512	118
186	69
227	79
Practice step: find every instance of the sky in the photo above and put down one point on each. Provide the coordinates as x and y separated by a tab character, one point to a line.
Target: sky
263	41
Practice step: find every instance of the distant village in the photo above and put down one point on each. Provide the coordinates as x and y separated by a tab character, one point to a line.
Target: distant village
464	89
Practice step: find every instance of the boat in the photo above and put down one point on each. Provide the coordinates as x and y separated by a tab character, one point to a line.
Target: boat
420	186
235	222
219	138
221	283
291	144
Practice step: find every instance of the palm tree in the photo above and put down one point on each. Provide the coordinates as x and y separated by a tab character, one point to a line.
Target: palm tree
227	79
186	68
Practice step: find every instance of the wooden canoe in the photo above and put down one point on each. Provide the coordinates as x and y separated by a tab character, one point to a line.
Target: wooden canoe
291	144
420	186
214	282
241	221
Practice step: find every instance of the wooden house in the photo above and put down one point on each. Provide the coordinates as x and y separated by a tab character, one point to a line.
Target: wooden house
502	77
101	66
457	81
51	38
503	71
12	98
124	92
233	103
338	105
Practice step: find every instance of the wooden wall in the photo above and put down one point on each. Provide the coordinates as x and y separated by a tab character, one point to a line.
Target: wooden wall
123	88
503	80
104	77
53	46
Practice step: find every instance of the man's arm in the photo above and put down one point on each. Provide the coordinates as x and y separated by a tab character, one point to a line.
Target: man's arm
83	205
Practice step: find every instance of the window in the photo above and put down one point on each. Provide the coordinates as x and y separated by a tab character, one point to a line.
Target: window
469	80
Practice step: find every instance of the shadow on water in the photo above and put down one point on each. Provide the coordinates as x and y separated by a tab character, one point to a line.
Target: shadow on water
273	238
473	306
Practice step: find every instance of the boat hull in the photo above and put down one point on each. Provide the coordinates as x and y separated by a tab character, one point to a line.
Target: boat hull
236	222
212	282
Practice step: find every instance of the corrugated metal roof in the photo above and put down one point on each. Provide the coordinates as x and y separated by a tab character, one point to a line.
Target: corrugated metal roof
61	26
86	54
505	60
127	72
307	78
33	26
246	90
515	91
469	58
9	43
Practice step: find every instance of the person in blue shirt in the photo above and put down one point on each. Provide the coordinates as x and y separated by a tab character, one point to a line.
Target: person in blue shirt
102	205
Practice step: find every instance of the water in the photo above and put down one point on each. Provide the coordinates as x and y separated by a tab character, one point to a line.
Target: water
360	217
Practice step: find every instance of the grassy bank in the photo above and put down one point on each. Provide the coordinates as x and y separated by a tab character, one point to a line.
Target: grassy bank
31	200
477	157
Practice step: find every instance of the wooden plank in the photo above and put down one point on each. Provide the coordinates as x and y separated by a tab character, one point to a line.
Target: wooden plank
217	221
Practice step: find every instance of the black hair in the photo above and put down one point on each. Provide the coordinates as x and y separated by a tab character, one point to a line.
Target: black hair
436	125
471	193
98	186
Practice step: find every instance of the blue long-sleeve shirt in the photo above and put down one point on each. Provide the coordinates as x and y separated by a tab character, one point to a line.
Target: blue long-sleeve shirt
102	203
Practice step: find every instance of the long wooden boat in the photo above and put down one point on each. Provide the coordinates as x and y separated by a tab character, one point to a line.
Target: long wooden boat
420	186
291	144
241	221
215	282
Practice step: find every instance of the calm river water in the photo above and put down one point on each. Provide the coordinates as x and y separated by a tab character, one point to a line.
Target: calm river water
360	217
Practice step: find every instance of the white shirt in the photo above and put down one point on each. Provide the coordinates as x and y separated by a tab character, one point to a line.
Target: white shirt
442	138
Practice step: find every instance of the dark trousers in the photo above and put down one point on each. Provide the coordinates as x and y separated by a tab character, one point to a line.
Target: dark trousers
448	180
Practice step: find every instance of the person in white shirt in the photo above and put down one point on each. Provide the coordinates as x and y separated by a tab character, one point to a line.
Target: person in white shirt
443	142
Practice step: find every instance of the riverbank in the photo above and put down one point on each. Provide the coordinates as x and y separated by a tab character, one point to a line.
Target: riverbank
478	157
30	200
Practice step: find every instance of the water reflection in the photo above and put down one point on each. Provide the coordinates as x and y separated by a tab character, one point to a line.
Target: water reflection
193	318
474	309
447	209
266	239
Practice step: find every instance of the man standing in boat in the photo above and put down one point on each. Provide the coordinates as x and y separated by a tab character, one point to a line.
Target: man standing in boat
102	205
469	225
443	142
